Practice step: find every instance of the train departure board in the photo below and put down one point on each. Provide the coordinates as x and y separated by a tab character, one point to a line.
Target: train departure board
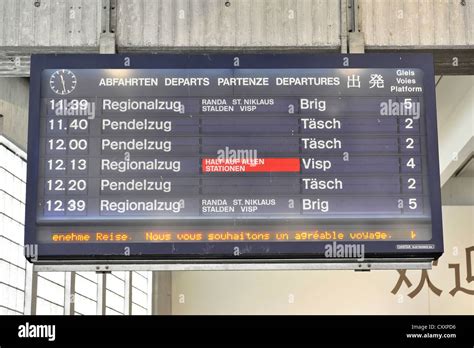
232	157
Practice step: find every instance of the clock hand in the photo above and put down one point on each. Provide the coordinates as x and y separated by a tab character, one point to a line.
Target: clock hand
62	81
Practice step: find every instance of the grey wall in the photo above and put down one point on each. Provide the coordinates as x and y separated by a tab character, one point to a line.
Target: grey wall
410	23
74	25
55	23
245	23
83	26
14	108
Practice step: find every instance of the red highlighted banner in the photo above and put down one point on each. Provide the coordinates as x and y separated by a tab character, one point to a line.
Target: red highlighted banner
223	165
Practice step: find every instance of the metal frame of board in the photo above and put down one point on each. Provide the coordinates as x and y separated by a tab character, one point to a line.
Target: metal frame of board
393	261
232	266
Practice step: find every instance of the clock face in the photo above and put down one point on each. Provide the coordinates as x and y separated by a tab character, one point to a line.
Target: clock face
63	81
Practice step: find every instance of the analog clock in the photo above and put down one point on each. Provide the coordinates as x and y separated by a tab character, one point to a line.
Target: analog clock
63	81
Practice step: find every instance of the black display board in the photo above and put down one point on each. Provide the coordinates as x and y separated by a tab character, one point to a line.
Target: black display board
232	157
